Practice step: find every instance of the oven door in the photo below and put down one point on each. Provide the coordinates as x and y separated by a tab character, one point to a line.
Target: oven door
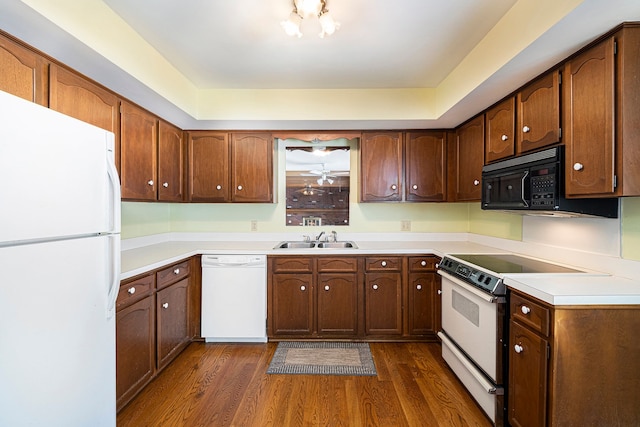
470	319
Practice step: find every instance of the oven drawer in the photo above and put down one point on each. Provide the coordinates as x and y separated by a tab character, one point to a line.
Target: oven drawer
530	313
489	397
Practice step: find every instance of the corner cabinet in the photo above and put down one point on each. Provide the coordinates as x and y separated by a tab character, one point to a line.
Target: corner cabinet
601	111
396	166
466	160
572	365
236	167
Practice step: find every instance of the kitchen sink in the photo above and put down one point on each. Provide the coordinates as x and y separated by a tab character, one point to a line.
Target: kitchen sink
337	245
309	245
295	245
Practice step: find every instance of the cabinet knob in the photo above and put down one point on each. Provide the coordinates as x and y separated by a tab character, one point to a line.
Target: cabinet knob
375	287
176	271
165	305
423	263
476	182
518	348
239	187
504	137
165	184
131	291
578	166
439	292
526	129
394	187
218	187
303	288
419	287
414	186
326	288
150	182
525	309
383	263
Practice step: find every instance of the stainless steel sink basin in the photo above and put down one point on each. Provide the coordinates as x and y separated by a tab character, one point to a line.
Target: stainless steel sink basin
295	245
337	245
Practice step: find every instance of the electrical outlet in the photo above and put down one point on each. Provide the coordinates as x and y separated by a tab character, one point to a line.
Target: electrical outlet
405	225
254	225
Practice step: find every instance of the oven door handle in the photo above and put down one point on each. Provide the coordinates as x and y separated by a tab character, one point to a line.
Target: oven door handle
477	292
489	388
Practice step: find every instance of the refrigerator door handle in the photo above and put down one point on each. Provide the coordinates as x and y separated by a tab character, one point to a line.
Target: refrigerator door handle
114	183
114	279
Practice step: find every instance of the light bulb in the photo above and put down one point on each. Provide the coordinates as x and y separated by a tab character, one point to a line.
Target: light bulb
292	25
329	26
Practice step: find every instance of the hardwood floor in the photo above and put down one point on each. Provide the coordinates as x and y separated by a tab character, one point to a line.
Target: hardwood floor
227	385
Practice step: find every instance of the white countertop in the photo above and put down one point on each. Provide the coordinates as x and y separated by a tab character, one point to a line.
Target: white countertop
557	289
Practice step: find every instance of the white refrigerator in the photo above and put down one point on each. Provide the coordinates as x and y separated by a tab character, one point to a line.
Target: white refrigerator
60	264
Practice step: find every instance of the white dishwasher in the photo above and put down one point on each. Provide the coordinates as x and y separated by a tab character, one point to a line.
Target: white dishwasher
234	298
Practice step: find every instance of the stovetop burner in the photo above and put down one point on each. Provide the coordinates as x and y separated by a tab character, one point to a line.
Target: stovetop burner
485	271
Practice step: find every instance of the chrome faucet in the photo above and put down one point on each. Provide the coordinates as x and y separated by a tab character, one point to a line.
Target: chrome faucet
319	236
334	236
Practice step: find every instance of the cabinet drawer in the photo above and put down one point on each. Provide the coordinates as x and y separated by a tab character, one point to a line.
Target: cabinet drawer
292	265
530	313
134	290
337	264
422	263
383	263
172	274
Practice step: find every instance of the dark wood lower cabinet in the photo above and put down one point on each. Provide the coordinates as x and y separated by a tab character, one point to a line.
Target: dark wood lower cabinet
392	298
172	321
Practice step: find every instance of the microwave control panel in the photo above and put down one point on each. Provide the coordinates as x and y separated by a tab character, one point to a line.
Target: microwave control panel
544	187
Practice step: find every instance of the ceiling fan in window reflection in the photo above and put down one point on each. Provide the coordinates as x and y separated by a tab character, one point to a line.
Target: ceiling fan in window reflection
308	190
325	175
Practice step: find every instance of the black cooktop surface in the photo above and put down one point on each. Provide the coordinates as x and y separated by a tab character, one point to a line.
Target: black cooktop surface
508	263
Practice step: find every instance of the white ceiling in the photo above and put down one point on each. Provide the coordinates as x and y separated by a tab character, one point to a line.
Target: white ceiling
380	44
239	44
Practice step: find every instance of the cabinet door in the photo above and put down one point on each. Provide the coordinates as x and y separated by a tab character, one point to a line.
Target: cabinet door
538	106
422	303
337	304
500	131
589	112
527	377
383	303
171	160
208	167
292	299
139	150
381	167
469	153
135	349
252	168
426	167
23	73
172	321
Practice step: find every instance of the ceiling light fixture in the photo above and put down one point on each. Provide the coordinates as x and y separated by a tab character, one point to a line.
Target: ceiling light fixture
305	8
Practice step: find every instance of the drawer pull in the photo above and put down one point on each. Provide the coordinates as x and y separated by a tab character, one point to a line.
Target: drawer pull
303	288
423	263
383	263
326	288
218	187
165	305
414	186
504	137
526	129
419	287
176	271
394	187
525	309
150	182
518	348
439	292
239	187
131	291
165	185
375	287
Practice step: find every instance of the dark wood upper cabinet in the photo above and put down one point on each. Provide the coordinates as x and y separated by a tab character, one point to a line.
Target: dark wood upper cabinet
251	167
23	72
538	111
171	163
138	170
381	167
468	156
425	166
209	179
500	141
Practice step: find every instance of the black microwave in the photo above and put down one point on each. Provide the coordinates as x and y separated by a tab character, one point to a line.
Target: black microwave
534	184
